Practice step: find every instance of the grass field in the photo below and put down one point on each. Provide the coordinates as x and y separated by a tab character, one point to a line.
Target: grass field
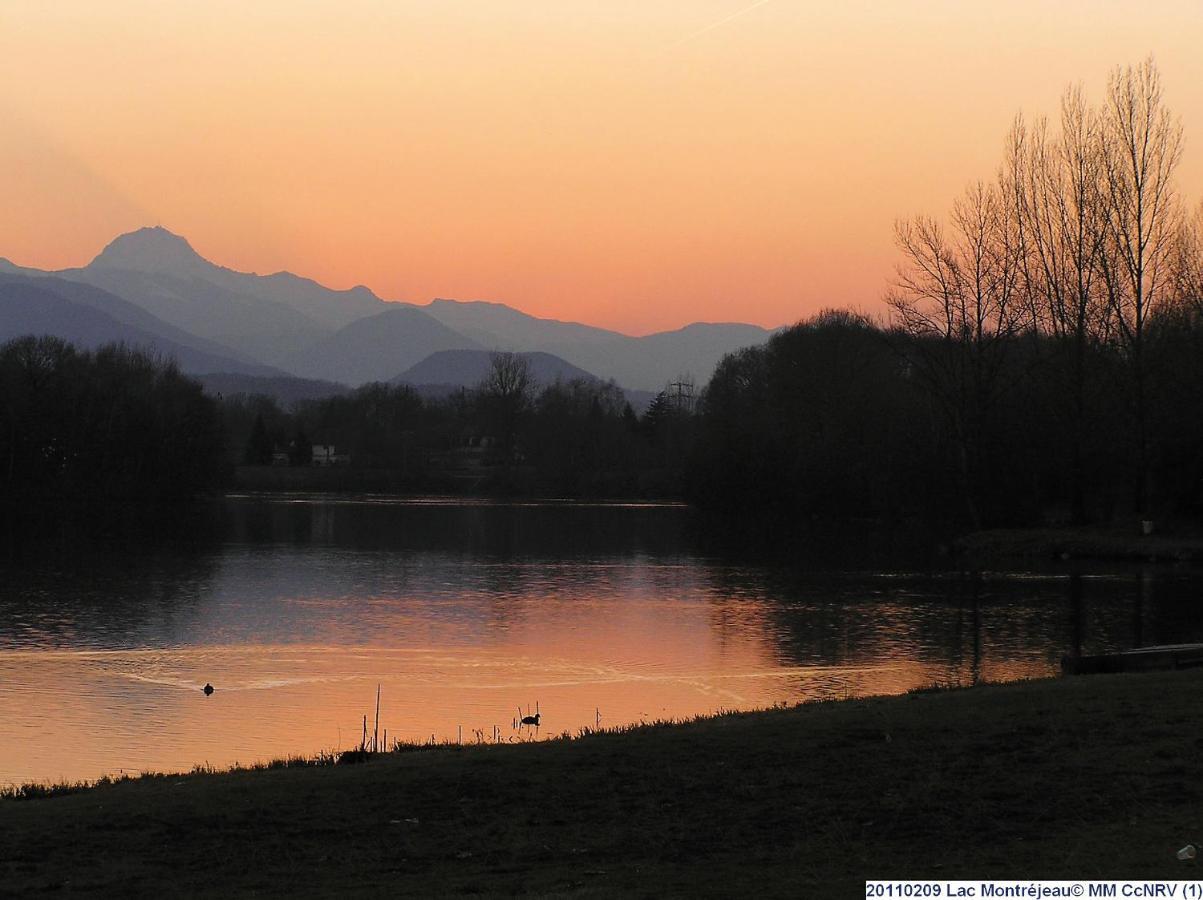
1094	777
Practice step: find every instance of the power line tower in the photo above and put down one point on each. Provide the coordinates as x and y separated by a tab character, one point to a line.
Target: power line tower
681	395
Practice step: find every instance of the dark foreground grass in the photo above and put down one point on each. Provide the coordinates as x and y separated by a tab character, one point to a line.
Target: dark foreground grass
1096	777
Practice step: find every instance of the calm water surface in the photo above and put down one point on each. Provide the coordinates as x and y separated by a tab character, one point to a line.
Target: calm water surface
464	612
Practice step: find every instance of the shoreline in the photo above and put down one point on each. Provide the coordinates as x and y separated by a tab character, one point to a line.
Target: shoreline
45	789
1083	543
1087	777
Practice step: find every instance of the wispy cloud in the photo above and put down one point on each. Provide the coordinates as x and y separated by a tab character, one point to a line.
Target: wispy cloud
720	23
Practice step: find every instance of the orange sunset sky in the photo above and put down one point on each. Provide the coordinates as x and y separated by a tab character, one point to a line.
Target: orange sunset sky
636	164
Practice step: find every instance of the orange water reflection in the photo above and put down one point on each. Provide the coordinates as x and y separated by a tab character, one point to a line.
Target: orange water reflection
144	710
463	615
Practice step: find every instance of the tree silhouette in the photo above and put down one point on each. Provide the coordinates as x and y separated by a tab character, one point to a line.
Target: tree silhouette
259	446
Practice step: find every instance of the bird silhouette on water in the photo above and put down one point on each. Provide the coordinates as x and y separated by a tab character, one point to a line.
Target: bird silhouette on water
208	689
529	719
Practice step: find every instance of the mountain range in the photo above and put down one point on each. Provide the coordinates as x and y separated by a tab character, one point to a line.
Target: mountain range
151	288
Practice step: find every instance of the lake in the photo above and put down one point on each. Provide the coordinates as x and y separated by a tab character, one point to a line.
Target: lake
297	608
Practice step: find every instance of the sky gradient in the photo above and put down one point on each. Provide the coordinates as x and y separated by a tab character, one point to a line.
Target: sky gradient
636	164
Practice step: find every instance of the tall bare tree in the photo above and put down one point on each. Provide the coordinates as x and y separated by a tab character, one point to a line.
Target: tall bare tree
1141	148
1056	184
960	295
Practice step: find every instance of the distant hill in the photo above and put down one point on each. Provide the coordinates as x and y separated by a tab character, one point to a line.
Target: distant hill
445	372
8	267
129	314
284	389
467	368
378	347
652	361
30	306
646	363
497	326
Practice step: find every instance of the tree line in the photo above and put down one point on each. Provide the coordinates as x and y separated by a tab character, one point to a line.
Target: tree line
575	438
122	424
113	424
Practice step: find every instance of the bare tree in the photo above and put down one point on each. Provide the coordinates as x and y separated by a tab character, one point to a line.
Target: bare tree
960	295
1056	187
1188	264
506	394
509	377
1141	148
962	288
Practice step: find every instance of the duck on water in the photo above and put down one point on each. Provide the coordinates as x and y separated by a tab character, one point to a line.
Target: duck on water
529	719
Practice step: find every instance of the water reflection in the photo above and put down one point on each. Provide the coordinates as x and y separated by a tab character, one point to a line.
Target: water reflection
464	612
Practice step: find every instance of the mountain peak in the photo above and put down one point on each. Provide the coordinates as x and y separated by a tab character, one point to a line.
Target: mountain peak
152	249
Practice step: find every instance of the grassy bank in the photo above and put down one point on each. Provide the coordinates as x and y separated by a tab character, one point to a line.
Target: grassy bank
1087	777
1082	543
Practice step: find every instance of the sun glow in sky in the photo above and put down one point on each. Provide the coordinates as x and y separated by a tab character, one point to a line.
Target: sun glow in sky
637	164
